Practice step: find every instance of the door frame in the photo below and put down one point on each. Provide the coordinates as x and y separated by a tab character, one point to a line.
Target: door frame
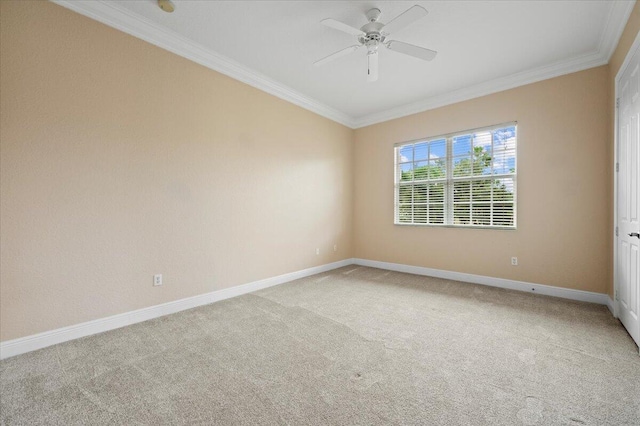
623	67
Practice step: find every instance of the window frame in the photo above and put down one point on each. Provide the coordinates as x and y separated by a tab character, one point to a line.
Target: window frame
449	179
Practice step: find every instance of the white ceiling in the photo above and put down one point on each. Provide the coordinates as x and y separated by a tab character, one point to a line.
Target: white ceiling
483	47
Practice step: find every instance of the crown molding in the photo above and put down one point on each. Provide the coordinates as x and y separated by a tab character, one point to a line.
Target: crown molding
486	88
121	19
114	16
616	21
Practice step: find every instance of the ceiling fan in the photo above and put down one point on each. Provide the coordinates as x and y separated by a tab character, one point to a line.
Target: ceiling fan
374	33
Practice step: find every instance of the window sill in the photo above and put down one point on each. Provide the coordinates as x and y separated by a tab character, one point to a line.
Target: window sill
431	225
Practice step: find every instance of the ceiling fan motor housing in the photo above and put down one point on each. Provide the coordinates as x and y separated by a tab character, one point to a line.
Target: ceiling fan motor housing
373	35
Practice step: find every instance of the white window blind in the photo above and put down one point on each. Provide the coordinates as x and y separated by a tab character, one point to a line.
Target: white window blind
463	179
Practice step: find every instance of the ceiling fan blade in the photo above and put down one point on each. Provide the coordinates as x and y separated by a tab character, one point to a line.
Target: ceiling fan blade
337	54
404	19
411	50
332	23
372	66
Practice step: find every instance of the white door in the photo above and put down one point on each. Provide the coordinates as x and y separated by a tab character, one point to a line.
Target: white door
628	199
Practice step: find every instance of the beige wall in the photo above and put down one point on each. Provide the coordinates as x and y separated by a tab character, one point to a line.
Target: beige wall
120	160
626	40
563	184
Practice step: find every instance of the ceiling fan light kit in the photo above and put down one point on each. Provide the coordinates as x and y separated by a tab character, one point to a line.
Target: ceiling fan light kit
374	33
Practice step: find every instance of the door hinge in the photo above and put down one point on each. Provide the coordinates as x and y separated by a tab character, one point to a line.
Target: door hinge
615	295
617	102
616	231
617	167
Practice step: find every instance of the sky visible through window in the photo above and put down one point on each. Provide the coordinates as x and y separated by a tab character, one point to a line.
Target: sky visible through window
434	152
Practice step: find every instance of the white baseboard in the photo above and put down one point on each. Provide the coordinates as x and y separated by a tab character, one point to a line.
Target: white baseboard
565	293
22	345
42	340
610	305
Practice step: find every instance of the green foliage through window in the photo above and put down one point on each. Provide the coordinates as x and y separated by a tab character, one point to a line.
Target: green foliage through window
458	180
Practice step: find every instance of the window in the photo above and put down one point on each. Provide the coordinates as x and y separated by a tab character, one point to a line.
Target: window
465	179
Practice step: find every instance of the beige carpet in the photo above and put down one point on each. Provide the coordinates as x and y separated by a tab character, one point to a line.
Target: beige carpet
353	346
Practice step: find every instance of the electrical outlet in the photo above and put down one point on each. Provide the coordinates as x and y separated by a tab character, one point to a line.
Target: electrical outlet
514	261
317	251
157	279
335	247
